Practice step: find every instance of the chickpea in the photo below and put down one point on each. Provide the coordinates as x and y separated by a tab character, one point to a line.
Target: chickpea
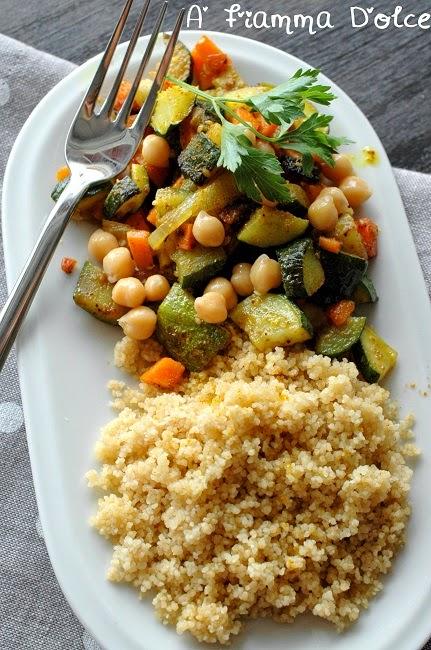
264	146
139	323
356	190
225	288
211	307
265	274
100	243
208	230
240	279
322	213
118	264
340	201
342	168
156	151
128	292
156	288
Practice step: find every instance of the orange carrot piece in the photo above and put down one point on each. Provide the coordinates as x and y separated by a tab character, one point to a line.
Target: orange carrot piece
140	248
157	175
68	264
152	217
123	91
178	183
369	232
330	244
138	221
208	62
165	373
339	313
186	240
313	191
62	173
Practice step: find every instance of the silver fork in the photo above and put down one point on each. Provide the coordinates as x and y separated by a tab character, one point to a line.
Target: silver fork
98	148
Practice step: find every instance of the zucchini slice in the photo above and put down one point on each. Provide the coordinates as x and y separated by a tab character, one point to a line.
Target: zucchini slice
373	356
293	170
195	267
336	341
271	320
93	293
271	227
199	159
118	229
299	202
343	273
181	63
91	204
172	107
192	343
347	233
169	198
301	269
128	194
365	292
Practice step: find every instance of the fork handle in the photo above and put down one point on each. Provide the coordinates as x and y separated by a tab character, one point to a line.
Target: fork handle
22	294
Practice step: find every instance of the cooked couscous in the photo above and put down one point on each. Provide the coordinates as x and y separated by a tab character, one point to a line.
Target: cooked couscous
269	484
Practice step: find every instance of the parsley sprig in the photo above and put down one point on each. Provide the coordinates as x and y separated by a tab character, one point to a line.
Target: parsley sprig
257	172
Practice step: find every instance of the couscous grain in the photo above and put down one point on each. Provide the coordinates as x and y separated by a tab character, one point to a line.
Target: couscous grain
270	484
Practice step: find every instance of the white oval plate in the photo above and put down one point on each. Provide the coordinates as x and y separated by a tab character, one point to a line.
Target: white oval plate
65	363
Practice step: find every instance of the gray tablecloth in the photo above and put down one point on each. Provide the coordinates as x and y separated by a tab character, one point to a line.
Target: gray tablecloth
33	611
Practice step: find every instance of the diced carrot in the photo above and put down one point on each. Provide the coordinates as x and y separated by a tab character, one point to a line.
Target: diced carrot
123	91
157	175
68	264
257	121
138	221
208	62
140	249
313	191
165	373
369	232
62	173
339	313
186	240
330	244
152	217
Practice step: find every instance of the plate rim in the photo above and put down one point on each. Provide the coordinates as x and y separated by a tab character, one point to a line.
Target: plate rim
99	621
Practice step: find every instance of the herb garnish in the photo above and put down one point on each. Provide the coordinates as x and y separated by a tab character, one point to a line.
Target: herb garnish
257	172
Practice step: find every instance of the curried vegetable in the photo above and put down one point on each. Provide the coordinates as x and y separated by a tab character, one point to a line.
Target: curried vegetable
165	373
118	229
339	313
128	194
293	170
199	159
365	292
335	341
272	320
297	202
181	62
368	231
301	269
347	234
271	227
343	273
197	266
373	356
167	199
90	206
172	107
140	249
94	294
193	344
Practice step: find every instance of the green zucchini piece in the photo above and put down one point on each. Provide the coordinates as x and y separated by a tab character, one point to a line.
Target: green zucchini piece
343	273
336	341
128	194
93	293
195	267
169	198
316	315
347	233
365	292
199	159
272	320
271	227
301	269
118	229
91	202
172	107
293	170
181	63
299	202
373	356
192	343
